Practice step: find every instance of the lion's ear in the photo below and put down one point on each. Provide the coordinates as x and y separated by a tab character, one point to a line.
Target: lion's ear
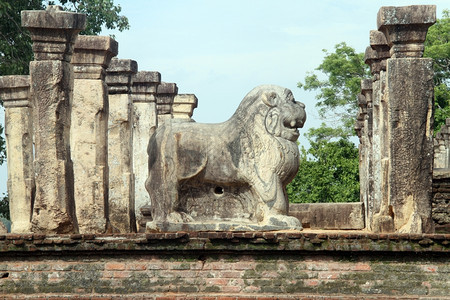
272	120
269	98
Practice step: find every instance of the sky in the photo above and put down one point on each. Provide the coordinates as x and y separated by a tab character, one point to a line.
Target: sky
219	50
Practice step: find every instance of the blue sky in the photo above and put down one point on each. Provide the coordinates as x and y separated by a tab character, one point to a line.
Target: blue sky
220	50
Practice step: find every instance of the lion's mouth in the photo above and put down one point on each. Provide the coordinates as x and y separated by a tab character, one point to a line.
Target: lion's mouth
291	126
292	134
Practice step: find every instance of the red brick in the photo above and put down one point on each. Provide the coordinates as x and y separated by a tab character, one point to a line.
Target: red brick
231	274
217	281
122	274
114	266
362	267
328	275
137	266
311	282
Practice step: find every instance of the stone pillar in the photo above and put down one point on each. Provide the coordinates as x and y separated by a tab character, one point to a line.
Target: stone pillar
120	145
164	100
376	56
409	98
441	145
183	106
14	92
53	33
88	140
145	122
364	129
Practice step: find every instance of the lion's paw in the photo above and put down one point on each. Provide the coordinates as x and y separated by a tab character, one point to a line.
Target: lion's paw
286	222
179	217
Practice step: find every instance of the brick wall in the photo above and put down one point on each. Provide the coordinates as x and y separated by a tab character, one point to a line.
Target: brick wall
440	205
225	266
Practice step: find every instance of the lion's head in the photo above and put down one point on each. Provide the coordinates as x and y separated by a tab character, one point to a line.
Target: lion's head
282	114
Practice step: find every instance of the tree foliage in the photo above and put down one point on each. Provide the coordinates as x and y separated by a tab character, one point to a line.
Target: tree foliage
328	170
4	207
337	97
15	42
437	47
99	13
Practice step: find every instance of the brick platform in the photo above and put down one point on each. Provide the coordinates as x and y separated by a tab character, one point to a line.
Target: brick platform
225	265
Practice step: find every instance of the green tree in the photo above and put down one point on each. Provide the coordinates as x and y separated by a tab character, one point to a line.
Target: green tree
337	98
437	47
4	207
15	42
328	170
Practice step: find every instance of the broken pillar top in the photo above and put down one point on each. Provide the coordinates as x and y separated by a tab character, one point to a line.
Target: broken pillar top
14	90
53	31
366	86
406	27
123	66
92	54
184	105
164	97
144	86
119	75
167	88
371	59
147	77
379	43
362	102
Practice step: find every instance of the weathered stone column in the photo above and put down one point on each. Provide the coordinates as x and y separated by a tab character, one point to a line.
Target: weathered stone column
145	121
364	124
53	33
164	100
409	97
183	106
376	56
88	140
14	91
441	145
120	145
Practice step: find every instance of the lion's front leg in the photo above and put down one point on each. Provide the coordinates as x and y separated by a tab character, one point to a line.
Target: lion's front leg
274	207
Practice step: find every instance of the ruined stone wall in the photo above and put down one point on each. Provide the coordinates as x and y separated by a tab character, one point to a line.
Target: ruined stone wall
441	179
246	265
440	204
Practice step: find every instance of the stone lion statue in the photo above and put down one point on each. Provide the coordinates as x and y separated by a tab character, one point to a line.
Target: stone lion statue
231	175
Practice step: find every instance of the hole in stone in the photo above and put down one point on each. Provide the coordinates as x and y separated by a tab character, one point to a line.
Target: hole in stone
4	275
218	190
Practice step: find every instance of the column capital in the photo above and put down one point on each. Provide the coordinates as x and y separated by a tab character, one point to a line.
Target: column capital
405	28
119	75
184	105
145	86
366	86
15	90
371	59
164	97
92	55
53	32
379	44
